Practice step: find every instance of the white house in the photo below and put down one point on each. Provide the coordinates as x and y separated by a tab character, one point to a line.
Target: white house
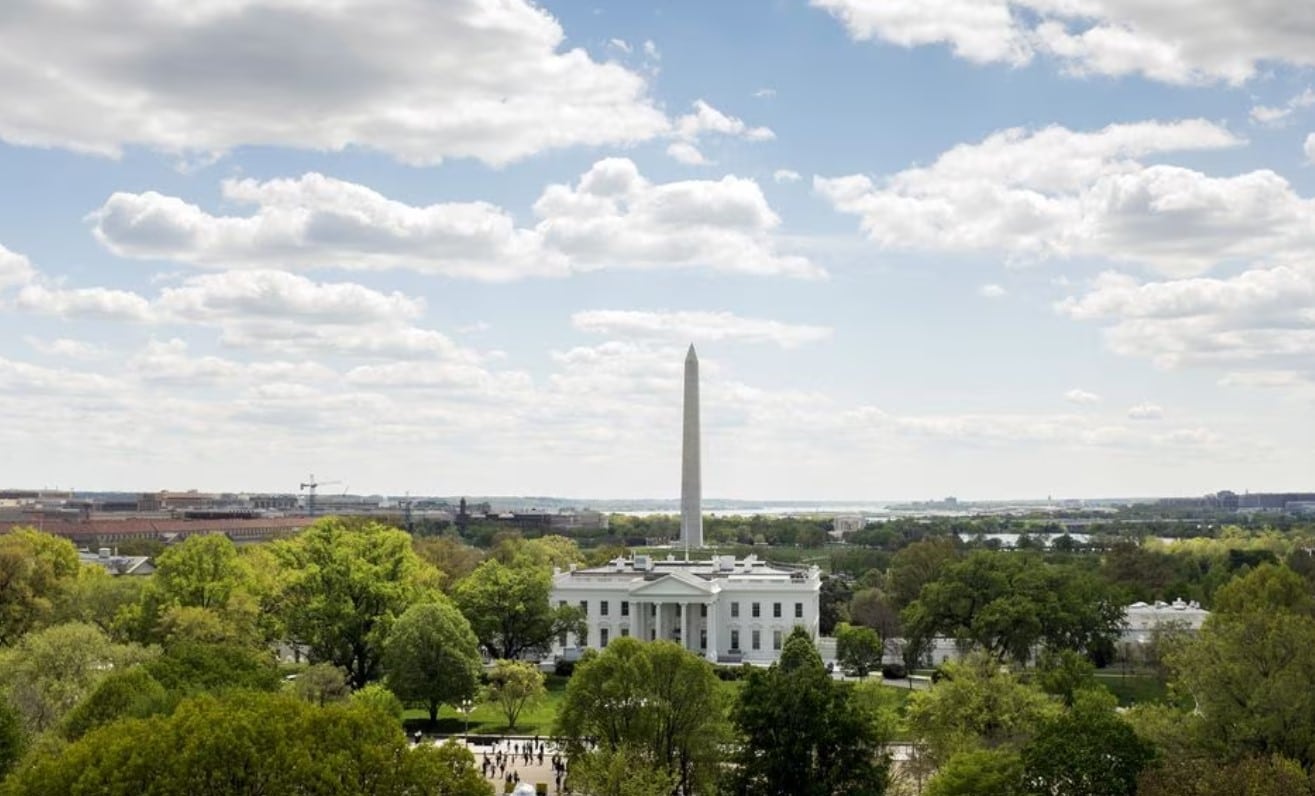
725	609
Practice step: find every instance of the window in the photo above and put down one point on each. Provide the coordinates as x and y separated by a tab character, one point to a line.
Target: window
735	640
703	639
561	603
652	635
561	639
798	610
625	608
652	609
776	610
735	610
757	610
602	637
625	631
703	610
776	639
602	608
584	607
756	643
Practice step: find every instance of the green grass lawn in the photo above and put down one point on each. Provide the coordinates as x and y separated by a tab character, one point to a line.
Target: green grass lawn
1134	688
488	719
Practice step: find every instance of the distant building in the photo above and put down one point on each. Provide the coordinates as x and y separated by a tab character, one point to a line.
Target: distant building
116	564
169	501
1141	620
725	609
847	523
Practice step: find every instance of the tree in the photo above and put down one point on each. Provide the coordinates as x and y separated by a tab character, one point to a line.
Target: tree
201	571
35	570
1009	603
376	696
1087	751
872	608
270	744
321	683
130	692
431	657
980	772
619	772
110	602
508	608
514	685
49	671
833	604
1064	673
195	668
655	700
977	704
858	649
1252	776
917	565
345	588
802	732
13	740
449	555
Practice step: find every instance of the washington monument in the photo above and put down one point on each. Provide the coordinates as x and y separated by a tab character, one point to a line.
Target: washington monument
691	479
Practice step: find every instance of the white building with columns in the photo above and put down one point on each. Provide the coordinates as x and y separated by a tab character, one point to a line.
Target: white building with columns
725	609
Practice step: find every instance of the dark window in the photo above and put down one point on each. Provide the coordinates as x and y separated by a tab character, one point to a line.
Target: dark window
625	631
602	608
776	639
776	610
602	637
735	610
798	610
703	639
625	608
757	612
703	610
735	639
756	645
584	607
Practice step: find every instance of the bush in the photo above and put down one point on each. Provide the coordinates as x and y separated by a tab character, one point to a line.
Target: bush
564	668
894	671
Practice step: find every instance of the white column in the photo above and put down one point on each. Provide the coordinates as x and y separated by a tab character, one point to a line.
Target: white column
712	631
634	618
686	626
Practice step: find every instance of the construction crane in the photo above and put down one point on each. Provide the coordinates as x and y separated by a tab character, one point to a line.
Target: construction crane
310	486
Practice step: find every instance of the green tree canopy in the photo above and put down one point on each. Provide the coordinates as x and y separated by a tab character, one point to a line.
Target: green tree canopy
978	704
804	734
35	570
508	608
514	685
858	649
345	586
1008	603
981	772
130	692
270	744
1253	776
431	656
1087	751
653	700
49	671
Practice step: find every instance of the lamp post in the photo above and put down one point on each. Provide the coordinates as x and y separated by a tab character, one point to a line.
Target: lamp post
465	707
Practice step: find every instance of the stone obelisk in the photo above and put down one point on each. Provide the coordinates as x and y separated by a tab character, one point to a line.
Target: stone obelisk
691	479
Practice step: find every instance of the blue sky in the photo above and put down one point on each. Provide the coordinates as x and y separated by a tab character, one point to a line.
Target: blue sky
990	248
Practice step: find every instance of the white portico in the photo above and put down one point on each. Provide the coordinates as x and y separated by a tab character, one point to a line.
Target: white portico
725	609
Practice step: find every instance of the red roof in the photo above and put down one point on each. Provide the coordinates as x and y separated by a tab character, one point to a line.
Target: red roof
87	528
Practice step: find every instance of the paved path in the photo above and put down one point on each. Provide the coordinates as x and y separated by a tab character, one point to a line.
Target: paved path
532	772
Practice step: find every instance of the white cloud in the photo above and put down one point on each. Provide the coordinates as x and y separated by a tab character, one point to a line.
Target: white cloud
418	80
1259	319
1270	116
1145	411
1056	193
169	361
612	218
782	176
651	50
65	347
1077	396
620	44
687	153
1309	148
93	303
279	296
1228	42
15	269
707	119
992	291
765	93
698	327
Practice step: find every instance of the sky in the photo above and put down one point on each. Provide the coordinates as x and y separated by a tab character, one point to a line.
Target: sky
982	248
